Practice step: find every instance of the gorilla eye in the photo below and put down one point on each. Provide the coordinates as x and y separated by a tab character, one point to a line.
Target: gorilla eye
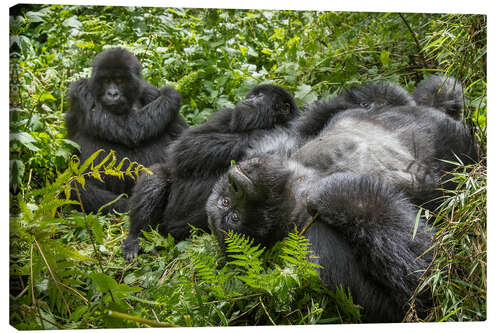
235	217
364	105
225	202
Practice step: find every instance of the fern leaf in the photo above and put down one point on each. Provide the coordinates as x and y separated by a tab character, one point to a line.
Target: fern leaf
89	161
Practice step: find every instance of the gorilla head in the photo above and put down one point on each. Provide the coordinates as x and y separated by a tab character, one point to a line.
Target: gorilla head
250	199
376	95
264	107
116	79
274	99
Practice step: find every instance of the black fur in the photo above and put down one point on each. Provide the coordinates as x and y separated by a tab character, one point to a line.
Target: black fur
361	175
443	93
372	97
198	158
116	109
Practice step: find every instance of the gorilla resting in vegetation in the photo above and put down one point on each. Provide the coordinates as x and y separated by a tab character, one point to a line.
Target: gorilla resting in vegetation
356	173
176	193
117	109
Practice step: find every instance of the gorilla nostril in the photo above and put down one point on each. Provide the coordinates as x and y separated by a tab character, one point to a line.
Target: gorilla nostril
113	93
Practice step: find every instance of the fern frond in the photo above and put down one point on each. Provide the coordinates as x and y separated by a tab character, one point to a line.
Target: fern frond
297	251
241	249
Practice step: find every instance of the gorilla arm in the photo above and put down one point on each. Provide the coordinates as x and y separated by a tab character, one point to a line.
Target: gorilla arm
152	119
377	221
81	100
138	125
207	149
319	114
147	204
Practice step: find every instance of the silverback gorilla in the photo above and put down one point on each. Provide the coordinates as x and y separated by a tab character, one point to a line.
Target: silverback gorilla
176	193
357	172
117	109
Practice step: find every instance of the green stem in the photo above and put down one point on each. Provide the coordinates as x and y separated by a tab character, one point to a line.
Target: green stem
140	320
308	224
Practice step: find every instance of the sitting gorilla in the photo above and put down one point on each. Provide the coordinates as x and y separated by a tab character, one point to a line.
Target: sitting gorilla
116	109
176	193
357	181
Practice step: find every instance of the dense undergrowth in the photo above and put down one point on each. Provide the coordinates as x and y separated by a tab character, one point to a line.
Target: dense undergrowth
66	268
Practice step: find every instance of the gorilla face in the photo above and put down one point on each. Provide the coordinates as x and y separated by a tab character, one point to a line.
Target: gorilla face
112	92
248	199
272	100
377	95
116	80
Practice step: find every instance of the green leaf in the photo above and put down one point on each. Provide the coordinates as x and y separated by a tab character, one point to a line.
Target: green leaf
81	180
22	137
416	223
77	314
111	154
384	57
90	160
35	17
104	282
303	90
72	22
306	94
25	139
96	227
16	171
126	289
23	42
67	251
46	96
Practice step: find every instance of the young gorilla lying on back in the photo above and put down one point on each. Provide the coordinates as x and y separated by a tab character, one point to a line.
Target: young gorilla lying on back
358	178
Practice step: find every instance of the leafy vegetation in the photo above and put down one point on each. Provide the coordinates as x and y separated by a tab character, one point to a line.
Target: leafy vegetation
66	268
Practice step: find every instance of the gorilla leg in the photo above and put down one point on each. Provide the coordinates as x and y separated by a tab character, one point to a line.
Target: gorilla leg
376	221
443	93
340	269
146	206
94	197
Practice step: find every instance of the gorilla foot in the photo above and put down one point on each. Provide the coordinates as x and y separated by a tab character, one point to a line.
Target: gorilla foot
131	248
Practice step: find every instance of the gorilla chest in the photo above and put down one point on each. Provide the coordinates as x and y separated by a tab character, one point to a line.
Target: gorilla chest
362	147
